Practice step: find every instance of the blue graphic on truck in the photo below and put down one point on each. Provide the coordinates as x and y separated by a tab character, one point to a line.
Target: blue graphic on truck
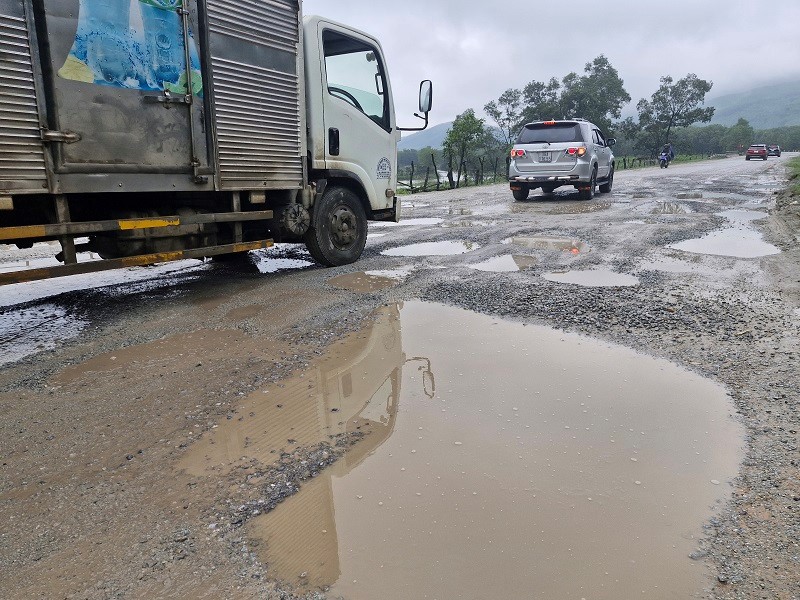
134	44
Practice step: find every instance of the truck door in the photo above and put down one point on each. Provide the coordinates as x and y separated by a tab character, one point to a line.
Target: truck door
120	96
361	137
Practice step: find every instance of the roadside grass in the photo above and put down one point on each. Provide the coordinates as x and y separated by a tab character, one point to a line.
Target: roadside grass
794	176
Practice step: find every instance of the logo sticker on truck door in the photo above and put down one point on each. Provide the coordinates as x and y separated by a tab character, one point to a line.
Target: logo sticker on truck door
384	169
134	44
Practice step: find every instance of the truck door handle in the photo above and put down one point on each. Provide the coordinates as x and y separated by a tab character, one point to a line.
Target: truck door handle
333	141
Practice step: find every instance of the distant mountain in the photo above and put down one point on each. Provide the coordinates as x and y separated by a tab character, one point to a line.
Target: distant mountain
433	137
765	107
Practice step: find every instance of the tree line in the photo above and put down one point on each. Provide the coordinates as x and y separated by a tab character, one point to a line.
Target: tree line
475	151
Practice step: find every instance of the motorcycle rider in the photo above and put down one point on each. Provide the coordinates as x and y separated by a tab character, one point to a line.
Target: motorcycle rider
669	151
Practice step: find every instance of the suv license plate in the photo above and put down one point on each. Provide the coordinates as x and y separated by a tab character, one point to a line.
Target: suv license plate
545	157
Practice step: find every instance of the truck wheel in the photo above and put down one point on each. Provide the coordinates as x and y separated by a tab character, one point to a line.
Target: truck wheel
520	195
588	193
338	231
606	187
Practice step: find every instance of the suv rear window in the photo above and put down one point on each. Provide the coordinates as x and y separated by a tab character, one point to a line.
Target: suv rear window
552	134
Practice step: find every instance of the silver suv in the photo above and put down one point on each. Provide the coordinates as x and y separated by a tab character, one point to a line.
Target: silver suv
549	154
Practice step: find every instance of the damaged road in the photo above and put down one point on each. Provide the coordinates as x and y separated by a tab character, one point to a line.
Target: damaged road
560	384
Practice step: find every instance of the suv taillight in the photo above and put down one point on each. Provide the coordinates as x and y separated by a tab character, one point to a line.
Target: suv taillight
517	153
580	151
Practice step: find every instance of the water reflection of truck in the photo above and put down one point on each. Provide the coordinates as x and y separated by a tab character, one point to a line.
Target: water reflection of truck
355	388
167	129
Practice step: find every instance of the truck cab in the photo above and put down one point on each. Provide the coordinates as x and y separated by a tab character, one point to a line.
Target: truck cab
173	129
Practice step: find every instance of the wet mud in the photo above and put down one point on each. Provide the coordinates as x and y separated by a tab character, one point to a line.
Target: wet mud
363	282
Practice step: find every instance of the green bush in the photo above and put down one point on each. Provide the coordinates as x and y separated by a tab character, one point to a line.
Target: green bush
794	176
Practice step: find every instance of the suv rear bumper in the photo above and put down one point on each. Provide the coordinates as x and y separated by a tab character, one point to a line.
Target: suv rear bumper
538	179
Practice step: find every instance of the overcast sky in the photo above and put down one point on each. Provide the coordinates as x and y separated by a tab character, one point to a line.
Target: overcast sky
473	50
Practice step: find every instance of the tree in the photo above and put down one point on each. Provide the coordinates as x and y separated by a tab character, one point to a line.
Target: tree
674	104
541	101
740	136
506	112
463	140
597	96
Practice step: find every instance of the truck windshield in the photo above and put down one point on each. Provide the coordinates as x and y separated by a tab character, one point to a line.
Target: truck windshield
550	134
355	75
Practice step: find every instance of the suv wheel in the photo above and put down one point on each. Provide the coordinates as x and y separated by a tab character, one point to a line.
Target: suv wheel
588	193
521	194
605	188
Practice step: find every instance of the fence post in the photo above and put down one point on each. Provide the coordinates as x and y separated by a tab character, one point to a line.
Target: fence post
436	170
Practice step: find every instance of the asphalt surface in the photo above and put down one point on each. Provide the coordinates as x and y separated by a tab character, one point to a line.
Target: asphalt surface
104	389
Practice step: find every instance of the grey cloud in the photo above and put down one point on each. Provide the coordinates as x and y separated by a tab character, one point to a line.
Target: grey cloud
474	50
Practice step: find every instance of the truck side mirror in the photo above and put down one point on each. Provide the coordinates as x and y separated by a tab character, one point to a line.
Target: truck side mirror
610	142
425	96
425	104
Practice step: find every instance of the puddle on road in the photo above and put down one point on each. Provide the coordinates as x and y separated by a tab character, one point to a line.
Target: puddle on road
593	278
468	224
445	248
492	447
543	242
580	208
416	222
363	282
670	208
740	240
508	263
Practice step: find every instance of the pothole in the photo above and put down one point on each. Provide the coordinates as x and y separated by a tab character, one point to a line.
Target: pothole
490	446
443	248
508	263
363	282
543	242
740	240
593	278
416	222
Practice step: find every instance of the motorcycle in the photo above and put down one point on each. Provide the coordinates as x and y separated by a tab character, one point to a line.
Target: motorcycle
663	160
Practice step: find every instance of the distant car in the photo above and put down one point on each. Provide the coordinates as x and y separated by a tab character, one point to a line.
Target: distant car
549	154
774	150
757	151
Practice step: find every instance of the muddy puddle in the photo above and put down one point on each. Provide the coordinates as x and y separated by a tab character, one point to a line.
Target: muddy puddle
468	224
579	208
501	461
739	240
415	222
670	208
444	248
593	278
543	242
363	282
508	263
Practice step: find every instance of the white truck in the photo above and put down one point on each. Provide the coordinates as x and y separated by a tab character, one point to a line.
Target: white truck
169	129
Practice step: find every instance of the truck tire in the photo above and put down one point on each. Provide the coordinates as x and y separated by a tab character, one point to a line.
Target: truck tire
520	195
338	231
